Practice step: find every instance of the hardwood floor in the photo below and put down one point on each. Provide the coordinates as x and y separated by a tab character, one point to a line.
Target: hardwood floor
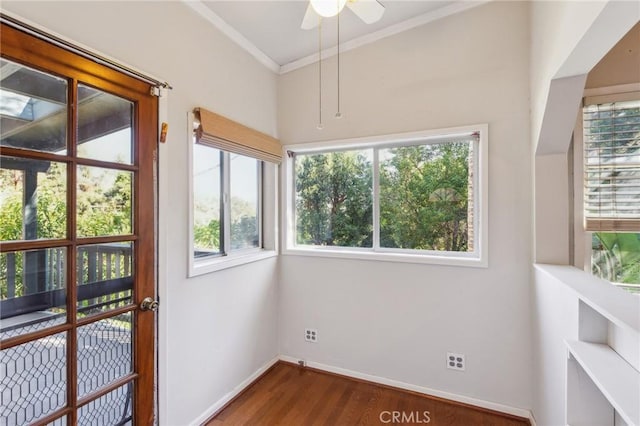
291	395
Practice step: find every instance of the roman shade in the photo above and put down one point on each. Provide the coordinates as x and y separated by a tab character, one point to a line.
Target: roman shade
222	133
612	166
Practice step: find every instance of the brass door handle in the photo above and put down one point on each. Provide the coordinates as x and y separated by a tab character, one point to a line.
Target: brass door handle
148	304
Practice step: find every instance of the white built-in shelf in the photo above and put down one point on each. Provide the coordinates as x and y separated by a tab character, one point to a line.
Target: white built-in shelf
616	305
618	381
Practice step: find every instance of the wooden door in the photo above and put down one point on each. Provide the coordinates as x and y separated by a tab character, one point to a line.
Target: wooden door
78	144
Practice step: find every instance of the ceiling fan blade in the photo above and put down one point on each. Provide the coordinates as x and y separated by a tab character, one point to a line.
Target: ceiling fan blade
311	19
369	11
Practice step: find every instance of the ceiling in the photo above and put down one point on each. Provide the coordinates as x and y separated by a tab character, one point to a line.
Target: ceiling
270	29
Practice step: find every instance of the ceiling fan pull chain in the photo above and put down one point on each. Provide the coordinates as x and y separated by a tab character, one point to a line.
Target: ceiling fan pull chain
338	114
320	126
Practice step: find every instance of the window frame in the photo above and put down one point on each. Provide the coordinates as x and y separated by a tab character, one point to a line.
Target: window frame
477	258
581	247
267	177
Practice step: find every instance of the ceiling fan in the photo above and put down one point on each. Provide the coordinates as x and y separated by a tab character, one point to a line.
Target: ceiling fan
369	11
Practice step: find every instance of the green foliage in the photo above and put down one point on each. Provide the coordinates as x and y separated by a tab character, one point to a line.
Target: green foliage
616	257
424	194
244	233
104	205
207	236
424	197
334	202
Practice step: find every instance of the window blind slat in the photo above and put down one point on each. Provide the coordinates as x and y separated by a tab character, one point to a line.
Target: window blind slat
612	167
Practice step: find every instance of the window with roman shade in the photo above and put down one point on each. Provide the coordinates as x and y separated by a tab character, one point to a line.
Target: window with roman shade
612	164
233	181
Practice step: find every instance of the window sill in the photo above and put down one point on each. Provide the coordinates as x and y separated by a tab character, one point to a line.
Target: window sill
448	259
206	266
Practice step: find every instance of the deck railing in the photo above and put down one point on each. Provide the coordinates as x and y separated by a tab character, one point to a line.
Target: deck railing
104	278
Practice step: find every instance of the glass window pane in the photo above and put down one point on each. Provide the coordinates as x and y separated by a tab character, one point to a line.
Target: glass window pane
33	199
616	257
104	199
334	204
244	189
33	109
33	380
33	290
104	126
104	353
104	277
426	197
207	231
114	408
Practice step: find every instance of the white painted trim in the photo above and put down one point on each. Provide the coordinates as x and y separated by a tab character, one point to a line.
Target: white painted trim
385	32
610	90
163	253
615	304
232	33
265	60
478	259
521	412
235	392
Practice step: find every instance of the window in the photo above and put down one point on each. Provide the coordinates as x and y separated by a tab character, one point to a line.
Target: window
418	197
226	196
231	204
611	187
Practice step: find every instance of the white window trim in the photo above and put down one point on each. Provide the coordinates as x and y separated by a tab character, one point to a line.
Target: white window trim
478	259
582	239
267	229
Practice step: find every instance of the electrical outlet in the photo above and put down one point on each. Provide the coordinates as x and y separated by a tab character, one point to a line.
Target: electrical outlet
455	361
311	335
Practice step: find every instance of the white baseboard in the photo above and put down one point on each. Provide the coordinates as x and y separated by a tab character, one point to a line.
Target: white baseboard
228	397
520	412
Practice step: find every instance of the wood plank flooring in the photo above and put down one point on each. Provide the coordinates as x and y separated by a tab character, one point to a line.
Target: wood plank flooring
291	395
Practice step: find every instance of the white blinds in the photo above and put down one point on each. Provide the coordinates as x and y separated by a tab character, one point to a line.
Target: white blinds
612	166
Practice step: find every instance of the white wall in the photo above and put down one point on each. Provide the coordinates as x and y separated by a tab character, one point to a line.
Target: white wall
567	40
217	329
398	320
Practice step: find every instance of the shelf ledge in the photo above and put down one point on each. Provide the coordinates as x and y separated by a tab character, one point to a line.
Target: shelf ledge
618	381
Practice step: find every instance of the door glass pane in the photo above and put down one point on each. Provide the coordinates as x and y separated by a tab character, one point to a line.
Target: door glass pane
104	126
32	290
33	199
206	201
244	196
104	353
33	380
113	408
33	109
104	199
104	277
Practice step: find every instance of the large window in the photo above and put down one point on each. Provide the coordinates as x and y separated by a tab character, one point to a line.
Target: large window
233	191
611	185
417	197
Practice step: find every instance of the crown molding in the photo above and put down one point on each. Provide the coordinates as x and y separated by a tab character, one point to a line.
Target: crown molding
233	34
199	7
385	32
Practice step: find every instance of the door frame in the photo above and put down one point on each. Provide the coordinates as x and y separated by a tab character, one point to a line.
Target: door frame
25	48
